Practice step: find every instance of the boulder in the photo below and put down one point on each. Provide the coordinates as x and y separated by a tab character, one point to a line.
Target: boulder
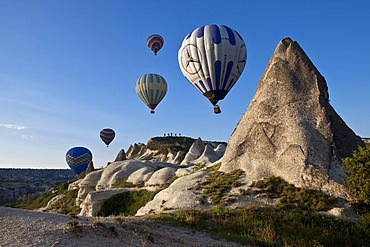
209	155
195	151
140	176
95	200
177	196
290	129
88	184
160	177
116	172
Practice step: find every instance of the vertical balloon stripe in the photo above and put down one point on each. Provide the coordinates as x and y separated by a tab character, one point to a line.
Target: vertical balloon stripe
231	84
231	35
228	72
163	93
202	85
151	79
151	98
209	82
216	34
200	32
196	85
218	73
156	95
158	80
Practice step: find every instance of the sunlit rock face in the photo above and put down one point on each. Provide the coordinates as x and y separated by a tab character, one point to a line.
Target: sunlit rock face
290	129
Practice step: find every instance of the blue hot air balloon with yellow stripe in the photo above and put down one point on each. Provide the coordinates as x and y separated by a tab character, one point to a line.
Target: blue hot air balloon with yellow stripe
78	159
107	135
212	58
151	89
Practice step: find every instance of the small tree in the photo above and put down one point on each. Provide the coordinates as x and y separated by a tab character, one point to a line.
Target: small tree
358	178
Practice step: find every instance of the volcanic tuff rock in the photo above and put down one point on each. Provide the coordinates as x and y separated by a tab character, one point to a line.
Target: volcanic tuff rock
121	156
290	129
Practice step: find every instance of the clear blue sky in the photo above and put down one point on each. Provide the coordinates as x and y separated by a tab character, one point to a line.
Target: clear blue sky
68	69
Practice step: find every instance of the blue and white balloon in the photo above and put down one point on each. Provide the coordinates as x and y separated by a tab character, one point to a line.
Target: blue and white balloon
212	58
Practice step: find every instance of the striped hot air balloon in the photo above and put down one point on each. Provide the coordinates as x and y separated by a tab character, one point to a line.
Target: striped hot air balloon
151	88
78	159
155	42
212	58
107	136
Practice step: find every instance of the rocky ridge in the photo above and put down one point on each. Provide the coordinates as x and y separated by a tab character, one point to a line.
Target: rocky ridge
290	129
148	167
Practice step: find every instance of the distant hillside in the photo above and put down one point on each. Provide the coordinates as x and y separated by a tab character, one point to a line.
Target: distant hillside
15	183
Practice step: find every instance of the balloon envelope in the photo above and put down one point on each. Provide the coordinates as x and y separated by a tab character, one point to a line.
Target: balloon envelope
78	159
107	136
155	43
212	58
151	89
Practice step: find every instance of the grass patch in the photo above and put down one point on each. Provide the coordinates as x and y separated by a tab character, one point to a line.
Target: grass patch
294	197
269	226
123	184
126	203
216	184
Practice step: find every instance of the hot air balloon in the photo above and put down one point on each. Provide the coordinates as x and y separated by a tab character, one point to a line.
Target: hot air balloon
212	58
78	159
151	88
107	136
155	43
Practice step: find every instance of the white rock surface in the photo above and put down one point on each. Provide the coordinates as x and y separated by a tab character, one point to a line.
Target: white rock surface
177	196
195	151
161	176
140	176
210	155
116	172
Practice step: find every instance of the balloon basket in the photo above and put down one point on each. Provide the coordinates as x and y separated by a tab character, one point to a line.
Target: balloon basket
217	109
152	112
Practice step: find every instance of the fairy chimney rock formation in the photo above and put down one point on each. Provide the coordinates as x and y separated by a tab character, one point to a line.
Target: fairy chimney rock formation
290	129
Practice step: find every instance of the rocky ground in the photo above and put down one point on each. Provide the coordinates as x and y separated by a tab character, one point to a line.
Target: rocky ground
30	228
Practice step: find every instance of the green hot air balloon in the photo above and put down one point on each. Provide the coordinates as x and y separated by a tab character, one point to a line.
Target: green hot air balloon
151	89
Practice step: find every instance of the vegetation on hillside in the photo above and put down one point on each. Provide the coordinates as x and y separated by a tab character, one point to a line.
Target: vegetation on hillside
272	226
358	168
216	184
290	196
67	205
126	203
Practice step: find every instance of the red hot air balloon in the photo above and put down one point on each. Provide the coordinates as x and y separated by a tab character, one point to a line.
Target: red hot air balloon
155	43
107	136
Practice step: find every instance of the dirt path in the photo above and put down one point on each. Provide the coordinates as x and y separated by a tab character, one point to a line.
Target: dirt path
29	228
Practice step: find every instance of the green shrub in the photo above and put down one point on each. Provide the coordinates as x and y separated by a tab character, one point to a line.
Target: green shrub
126	203
293	197
358	169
